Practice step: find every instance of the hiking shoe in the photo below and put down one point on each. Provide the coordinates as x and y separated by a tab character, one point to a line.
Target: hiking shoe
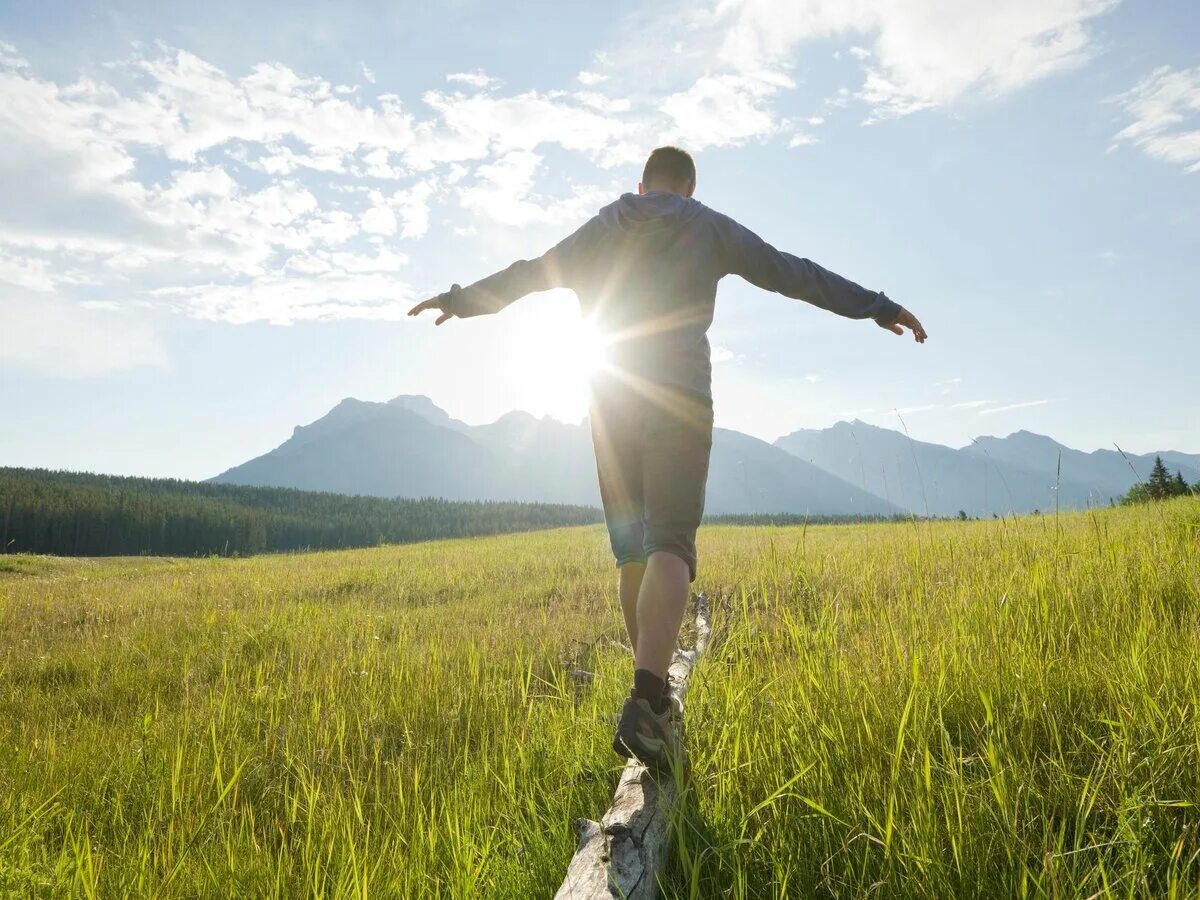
654	739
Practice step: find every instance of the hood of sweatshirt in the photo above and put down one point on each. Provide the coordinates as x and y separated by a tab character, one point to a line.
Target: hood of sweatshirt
653	216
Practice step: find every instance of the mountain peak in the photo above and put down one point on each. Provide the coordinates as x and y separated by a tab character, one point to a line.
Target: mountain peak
422	406
409	446
517	415
416	403
1024	439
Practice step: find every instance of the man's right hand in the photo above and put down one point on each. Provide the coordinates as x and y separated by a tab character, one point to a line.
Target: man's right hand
906	320
439	303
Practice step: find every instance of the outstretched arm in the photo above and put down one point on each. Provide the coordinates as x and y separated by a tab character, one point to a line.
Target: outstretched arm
762	265
557	267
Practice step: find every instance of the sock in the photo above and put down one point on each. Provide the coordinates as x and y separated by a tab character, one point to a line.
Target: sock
650	688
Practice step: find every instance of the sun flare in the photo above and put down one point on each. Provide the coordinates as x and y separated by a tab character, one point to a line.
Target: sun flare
592	347
552	354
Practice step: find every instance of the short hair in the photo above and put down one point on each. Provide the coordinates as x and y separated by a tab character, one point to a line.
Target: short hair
669	165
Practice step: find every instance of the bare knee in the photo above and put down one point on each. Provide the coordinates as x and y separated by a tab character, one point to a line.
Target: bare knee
667	562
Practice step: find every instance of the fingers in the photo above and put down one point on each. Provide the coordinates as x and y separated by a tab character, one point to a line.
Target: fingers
435	303
911	322
439	303
905	319
424	305
917	329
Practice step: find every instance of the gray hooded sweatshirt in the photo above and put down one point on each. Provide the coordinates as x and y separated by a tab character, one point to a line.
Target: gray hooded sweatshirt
646	268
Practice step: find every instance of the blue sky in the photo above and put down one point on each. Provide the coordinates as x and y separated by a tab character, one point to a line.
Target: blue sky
215	217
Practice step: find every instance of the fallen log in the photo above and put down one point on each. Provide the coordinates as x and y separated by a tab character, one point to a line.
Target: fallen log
624	853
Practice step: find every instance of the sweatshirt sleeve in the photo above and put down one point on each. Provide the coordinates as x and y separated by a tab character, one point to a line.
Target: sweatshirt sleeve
748	255
560	266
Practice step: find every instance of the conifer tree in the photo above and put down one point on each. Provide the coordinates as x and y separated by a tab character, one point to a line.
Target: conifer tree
1160	480
1179	487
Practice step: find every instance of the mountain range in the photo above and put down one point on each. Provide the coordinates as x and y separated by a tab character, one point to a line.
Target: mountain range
409	447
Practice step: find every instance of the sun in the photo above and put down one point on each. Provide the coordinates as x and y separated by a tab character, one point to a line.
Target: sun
552	352
592	346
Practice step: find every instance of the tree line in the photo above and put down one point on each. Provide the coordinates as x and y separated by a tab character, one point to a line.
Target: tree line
81	514
1161	485
783	519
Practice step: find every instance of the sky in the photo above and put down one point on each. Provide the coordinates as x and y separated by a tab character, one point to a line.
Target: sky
213	217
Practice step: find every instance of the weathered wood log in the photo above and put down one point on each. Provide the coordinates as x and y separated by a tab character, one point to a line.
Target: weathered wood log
624	853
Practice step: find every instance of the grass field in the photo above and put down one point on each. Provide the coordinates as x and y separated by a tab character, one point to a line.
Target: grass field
981	709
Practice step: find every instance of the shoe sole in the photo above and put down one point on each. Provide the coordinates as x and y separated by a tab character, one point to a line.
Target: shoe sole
653	752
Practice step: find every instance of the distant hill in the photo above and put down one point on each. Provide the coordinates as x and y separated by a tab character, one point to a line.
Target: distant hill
1108	472
408	447
1018	473
378	449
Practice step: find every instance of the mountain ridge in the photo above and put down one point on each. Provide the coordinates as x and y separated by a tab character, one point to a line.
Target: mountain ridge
410	447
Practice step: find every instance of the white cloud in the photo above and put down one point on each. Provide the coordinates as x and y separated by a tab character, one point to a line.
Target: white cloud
409	206
31	273
218	194
602	103
380	218
345	263
62	340
474	79
926	53
1011	406
279	160
800	139
191	106
473	126
1165	107
251	182
9	57
723	110
378	162
504	192
203	182
969	404
282	299
413	206
721	354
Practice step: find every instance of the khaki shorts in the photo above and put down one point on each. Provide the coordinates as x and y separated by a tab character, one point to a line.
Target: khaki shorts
652	448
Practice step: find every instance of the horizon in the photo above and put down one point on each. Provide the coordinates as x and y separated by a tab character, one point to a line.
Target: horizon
582	420
898	429
213	232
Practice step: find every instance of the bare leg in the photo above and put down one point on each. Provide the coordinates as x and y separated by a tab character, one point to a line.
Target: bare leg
631	585
660	607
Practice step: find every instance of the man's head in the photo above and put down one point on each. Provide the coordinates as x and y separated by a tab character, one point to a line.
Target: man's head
669	169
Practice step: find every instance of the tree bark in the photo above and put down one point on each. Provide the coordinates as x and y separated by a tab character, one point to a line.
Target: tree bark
624	853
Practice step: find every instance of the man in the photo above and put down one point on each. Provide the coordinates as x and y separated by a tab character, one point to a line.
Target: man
646	269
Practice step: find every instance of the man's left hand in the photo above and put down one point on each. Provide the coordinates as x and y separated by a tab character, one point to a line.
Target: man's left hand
905	319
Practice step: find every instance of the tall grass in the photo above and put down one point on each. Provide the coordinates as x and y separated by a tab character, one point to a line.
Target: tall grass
1003	708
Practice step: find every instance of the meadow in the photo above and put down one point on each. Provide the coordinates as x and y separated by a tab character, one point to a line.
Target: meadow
1003	708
